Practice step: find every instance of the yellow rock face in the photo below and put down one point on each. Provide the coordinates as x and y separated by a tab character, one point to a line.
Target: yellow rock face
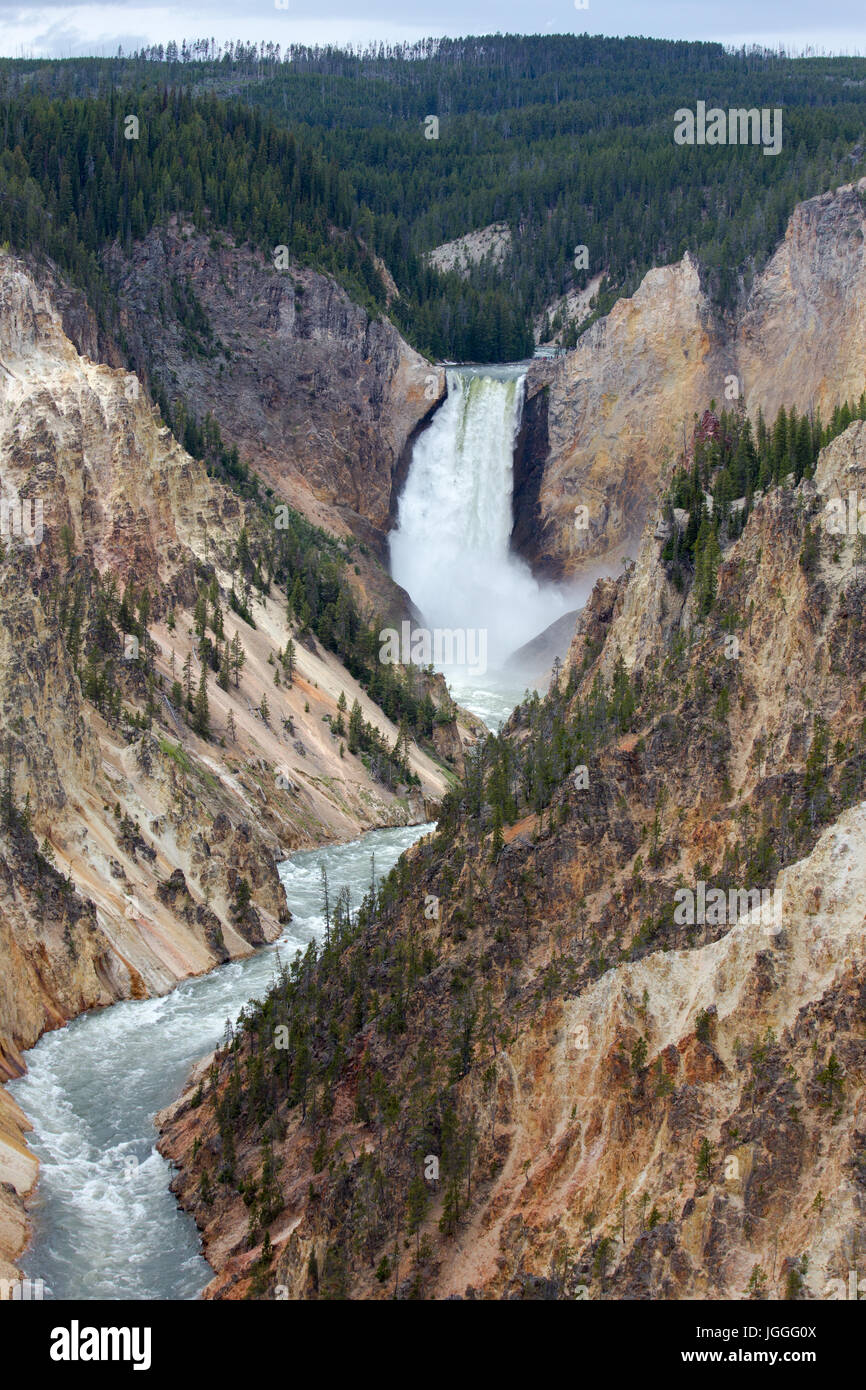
621	405
19	1169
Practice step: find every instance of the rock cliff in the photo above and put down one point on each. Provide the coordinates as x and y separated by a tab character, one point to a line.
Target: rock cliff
319	397
610	415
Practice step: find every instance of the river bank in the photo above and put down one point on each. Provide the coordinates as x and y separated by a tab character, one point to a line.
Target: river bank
103	1184
46	1145
105	1223
19	1171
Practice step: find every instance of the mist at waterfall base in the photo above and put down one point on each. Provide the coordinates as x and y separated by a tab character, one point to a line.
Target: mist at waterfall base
450	548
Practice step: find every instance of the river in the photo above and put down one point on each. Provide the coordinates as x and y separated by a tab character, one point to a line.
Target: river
105	1223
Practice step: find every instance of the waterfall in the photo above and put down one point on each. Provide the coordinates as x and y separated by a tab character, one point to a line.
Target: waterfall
450	547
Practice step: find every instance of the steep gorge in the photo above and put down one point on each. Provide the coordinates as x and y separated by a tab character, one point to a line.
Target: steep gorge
134	850
322	400
565	1167
618	1103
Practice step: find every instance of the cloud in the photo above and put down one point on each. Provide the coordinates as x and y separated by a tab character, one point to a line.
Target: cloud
63	40
55	28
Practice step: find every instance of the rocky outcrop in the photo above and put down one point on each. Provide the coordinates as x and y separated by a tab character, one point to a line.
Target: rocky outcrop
117	495
567	312
617	408
86	442
491	244
19	1171
318	396
615	412
731	1027
802	338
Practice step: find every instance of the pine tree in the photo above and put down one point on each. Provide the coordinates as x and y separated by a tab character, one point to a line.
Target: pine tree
707	557
416	1206
356	727
243	897
225	668
803	452
238	658
296	601
289	661
401	747
339	725
143	617
125	619
450	1208
230	727
780	444
705	1157
199	615
744	466
187	679
498	841
201	710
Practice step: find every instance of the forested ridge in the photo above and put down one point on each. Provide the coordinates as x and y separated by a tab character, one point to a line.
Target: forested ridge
71	183
567	139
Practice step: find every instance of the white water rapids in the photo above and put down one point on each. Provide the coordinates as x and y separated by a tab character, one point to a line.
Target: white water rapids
105	1223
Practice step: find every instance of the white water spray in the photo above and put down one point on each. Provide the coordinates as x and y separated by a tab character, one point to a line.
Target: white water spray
450	549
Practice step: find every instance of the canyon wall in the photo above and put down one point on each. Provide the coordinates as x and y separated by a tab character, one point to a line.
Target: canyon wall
317	395
126	842
612	415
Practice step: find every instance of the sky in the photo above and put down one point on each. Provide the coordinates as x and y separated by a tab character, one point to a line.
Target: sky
58	29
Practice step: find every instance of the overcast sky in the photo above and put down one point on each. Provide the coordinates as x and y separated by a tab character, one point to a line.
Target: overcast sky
62	29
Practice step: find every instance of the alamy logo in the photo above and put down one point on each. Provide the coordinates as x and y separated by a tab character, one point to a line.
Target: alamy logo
76	1343
23	1290
737	126
466	647
22	519
836	1287
714	907
845	519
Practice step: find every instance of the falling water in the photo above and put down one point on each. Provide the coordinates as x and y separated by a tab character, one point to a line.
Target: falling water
451	546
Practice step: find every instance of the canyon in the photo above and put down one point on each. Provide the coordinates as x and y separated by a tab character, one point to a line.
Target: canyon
121	874
323	400
615	1105
714	1126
